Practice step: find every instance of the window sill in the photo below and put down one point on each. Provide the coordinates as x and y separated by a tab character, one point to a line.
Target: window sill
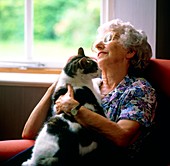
30	70
27	79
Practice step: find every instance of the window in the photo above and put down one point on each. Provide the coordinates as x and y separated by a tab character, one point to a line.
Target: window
11	29
43	34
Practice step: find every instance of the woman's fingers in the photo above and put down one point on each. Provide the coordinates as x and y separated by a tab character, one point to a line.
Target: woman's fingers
64	102
70	90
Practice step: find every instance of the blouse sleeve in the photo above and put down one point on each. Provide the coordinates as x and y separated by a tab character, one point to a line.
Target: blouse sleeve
139	104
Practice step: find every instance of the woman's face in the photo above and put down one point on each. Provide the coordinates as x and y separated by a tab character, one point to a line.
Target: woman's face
109	51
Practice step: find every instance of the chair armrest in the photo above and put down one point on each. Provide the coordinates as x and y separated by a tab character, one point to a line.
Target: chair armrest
9	148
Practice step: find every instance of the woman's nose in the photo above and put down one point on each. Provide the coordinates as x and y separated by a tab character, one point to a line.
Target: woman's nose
99	46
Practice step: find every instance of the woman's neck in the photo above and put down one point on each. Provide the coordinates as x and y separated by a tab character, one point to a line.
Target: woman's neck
113	77
110	80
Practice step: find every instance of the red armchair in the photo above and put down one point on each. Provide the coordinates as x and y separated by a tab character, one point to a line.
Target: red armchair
158	73
9	148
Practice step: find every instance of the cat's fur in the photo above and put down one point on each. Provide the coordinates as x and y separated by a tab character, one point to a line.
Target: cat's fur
62	140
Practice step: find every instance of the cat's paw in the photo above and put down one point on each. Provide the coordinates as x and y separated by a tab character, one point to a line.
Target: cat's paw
53	121
57	125
87	149
49	161
28	163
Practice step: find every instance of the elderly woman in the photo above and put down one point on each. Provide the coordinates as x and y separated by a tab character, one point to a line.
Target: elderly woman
128	100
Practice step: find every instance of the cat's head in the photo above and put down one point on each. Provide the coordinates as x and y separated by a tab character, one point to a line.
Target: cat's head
80	65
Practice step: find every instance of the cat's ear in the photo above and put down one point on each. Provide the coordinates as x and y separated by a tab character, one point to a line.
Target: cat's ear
81	51
83	62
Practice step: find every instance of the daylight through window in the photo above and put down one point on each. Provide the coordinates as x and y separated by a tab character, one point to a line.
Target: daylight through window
46	32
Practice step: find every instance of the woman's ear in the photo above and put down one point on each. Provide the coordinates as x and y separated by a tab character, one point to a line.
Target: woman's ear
130	54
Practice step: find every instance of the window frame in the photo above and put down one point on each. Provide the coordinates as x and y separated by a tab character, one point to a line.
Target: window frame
29	66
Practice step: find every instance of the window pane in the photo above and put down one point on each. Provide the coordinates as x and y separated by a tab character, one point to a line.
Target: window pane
61	27
11	30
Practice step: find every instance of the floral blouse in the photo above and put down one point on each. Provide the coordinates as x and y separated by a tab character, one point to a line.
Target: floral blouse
133	99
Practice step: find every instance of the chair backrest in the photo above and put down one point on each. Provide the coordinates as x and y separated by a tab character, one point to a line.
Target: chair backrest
158	74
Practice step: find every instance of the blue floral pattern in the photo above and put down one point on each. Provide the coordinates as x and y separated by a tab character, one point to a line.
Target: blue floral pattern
133	99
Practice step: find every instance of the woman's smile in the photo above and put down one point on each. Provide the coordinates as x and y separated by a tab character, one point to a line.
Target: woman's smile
102	52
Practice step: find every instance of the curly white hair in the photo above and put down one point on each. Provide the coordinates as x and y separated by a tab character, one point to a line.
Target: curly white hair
132	39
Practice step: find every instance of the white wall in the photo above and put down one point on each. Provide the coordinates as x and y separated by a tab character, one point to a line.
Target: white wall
141	13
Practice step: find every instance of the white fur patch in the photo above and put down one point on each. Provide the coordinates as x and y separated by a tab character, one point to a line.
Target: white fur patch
43	141
88	80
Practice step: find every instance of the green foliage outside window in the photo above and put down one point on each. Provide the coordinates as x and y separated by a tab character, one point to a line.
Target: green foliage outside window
54	20
11	20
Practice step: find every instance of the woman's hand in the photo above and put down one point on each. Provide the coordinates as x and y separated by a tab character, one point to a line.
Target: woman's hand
66	102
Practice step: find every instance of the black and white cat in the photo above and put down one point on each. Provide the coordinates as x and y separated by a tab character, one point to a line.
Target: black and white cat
62	141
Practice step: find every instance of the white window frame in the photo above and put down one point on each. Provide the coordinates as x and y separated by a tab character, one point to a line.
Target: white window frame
28	29
106	14
107	11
